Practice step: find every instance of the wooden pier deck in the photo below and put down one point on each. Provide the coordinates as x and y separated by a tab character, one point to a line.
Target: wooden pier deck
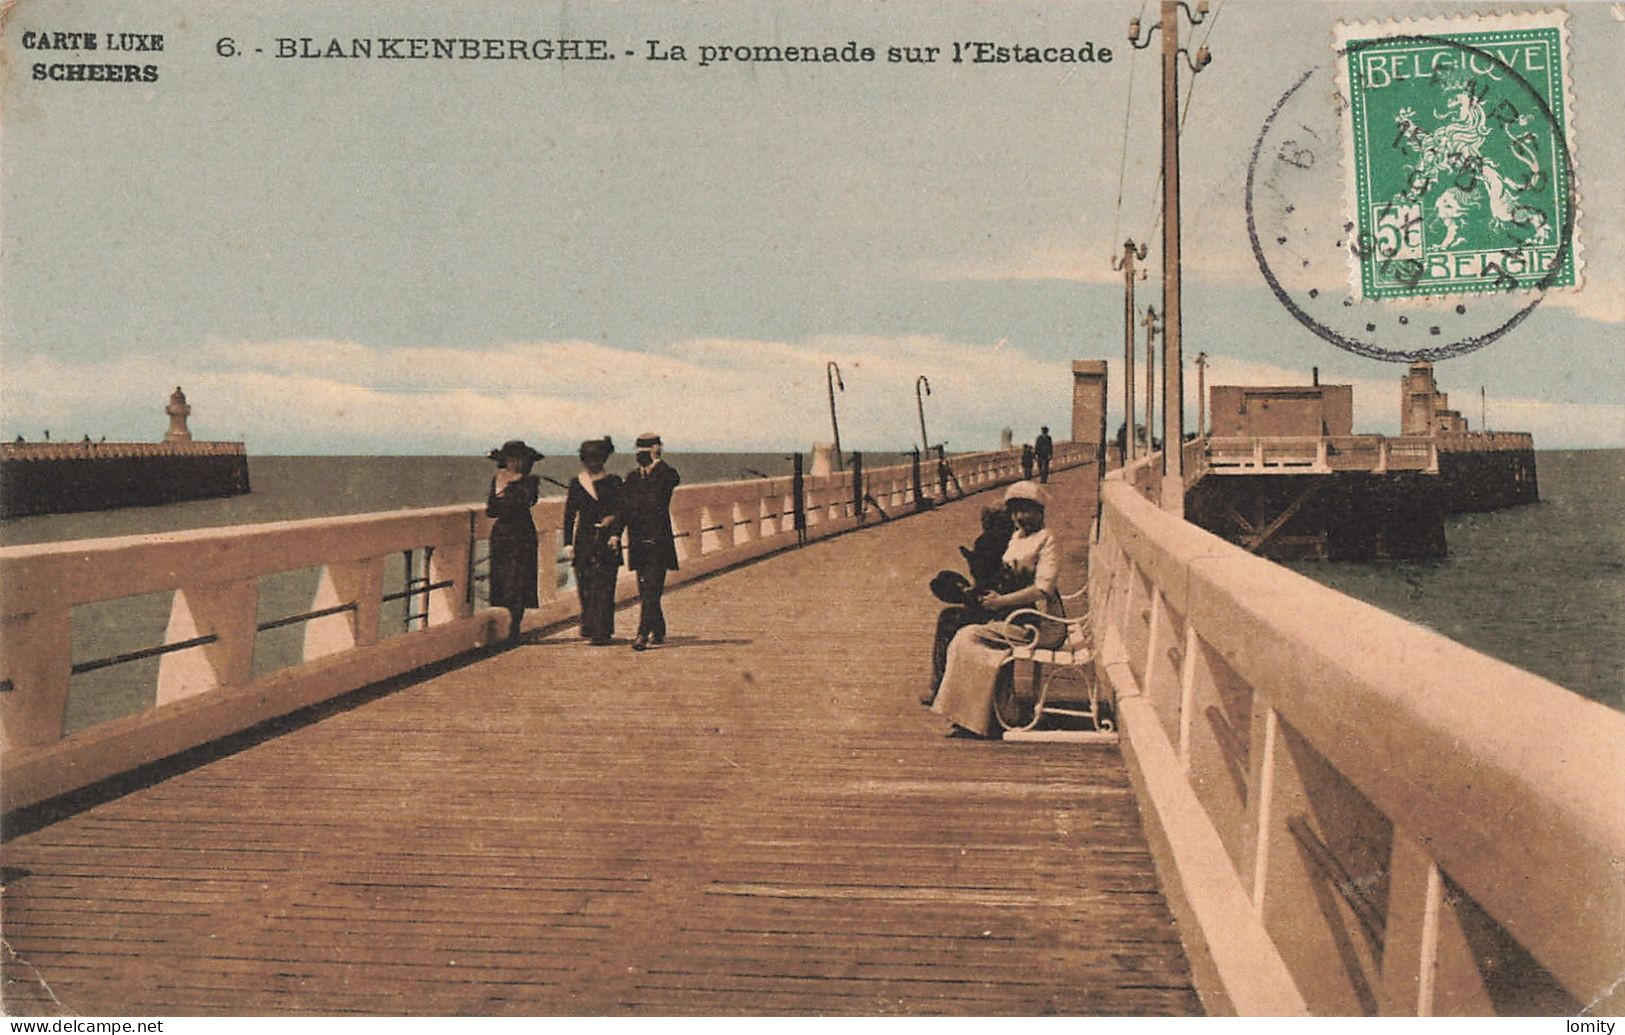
758	818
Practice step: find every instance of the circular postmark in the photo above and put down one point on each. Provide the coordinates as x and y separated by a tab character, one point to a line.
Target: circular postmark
1443	234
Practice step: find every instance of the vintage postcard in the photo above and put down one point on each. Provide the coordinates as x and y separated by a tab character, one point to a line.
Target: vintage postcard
636	508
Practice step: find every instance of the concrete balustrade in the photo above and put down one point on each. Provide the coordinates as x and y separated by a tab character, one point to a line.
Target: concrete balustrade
1357	815
1485	441
206	689
1376	454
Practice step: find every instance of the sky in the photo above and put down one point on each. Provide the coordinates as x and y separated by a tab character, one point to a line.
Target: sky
431	257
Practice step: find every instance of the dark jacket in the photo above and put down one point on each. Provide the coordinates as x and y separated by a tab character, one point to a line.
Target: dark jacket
581	516
512	579
648	515
1043	447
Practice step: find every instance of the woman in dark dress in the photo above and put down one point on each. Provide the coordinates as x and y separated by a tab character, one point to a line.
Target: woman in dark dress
593	517
513	535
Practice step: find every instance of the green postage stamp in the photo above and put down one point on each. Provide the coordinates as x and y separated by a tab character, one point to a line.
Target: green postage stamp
1458	156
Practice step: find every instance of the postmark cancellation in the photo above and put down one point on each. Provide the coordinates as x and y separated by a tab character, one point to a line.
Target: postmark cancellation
1458	155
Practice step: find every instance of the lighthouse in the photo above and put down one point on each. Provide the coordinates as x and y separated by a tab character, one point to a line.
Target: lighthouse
178	411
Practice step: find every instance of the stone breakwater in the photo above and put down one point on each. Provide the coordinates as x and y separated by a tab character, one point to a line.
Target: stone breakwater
59	478
1483	471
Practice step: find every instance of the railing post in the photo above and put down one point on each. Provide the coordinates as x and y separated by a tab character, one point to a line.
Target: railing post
224	610
798	500
767	516
1187	692
1410	954
857	486
685	526
919	495
358	582
1260	802
547	561
1258	454
449	563
37	660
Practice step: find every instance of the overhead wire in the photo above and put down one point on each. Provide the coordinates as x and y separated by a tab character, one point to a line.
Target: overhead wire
1190	93
1122	151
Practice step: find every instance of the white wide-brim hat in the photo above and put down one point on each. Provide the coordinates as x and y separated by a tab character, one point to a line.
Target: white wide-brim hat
1027	492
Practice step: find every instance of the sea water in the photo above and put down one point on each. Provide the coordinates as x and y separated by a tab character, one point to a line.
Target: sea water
1541	586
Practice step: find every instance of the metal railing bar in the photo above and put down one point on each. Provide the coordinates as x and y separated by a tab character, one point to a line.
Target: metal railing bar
307	616
418	591
137	655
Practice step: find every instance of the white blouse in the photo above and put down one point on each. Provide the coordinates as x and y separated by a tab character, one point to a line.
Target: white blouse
1038	554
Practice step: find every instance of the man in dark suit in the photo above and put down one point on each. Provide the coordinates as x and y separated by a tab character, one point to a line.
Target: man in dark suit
652	547
1043	449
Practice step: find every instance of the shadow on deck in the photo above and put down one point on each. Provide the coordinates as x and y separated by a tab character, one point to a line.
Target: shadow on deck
755	819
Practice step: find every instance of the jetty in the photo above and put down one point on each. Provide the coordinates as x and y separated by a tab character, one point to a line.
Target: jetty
1282	474
758	818
68	477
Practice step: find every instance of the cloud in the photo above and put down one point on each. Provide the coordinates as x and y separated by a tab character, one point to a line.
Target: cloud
701	393
295	396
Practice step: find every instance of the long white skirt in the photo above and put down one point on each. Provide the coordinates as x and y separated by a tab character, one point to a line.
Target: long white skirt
975	656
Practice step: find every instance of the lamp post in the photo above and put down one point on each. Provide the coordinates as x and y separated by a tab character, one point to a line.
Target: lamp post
832	376
1151	380
1201	394
1173	398
1126	264
919	400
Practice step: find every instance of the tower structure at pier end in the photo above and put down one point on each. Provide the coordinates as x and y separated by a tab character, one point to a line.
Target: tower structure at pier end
1089	403
1478	470
1423	409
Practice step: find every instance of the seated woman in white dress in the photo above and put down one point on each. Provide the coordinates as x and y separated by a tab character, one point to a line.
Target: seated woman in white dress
978	652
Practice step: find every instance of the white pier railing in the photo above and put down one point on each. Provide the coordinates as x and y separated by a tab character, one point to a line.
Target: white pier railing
213	582
1362	816
1372	454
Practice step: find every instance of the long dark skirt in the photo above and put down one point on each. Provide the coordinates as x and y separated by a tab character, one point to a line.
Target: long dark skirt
513	564
595	586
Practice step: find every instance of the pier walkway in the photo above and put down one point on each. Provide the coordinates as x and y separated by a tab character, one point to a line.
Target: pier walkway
757	818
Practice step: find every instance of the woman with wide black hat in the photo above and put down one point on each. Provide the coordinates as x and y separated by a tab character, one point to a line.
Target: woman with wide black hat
513	534
593	518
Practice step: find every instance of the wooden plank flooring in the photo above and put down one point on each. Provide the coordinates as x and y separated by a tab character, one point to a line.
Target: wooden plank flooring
757	819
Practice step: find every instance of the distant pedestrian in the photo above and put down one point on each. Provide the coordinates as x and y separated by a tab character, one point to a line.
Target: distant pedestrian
1043	449
1026	462
513	534
651	547
592	539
